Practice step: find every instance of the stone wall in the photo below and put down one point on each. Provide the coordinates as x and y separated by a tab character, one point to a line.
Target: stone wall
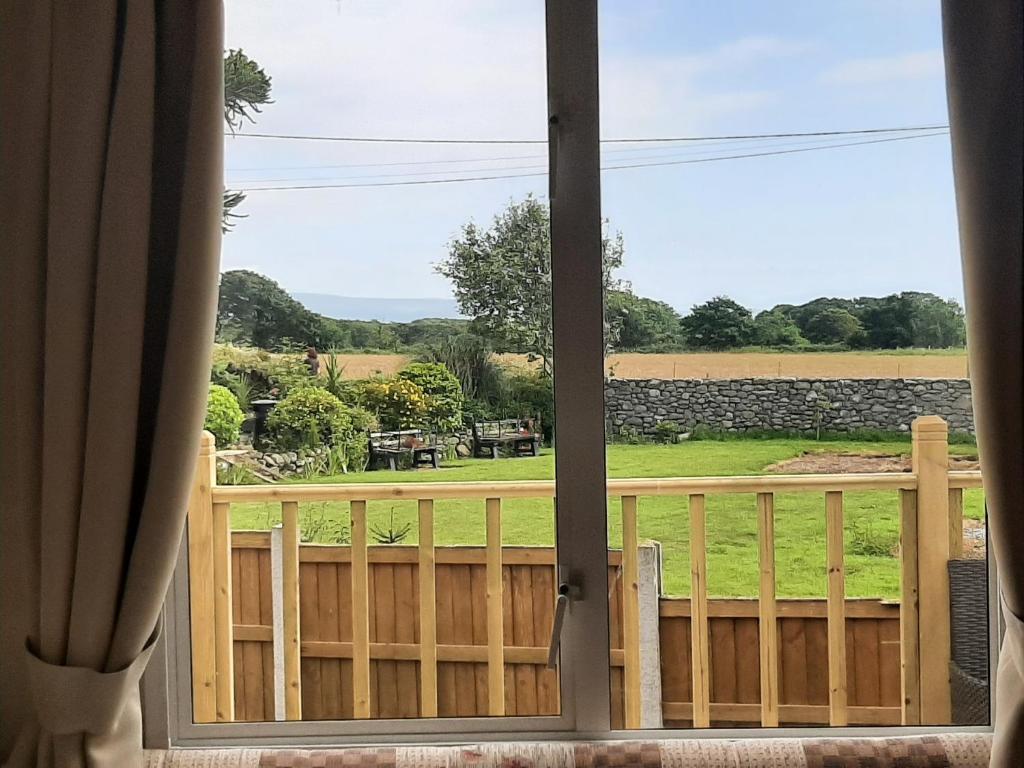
739	405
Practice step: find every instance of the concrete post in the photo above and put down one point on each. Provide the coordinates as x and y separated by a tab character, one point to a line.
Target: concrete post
277	593
649	571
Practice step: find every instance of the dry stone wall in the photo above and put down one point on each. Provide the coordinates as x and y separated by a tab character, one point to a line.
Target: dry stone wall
740	405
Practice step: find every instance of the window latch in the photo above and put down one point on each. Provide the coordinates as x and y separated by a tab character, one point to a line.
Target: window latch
567	591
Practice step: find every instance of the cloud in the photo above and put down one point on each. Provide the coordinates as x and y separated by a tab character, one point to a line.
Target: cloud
646	95
883	69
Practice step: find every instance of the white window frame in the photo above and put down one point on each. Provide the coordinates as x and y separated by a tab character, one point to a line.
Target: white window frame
580	503
578	326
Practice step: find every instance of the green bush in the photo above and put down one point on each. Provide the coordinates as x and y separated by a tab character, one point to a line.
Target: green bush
531	395
443	392
630	435
666	432
397	403
310	417
224	417
288	373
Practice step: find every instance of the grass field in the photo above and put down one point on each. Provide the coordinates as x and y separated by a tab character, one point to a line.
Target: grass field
871	520
731	365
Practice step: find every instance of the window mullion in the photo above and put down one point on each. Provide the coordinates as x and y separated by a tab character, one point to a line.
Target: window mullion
578	326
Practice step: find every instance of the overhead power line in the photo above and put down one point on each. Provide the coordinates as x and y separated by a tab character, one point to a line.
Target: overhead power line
645	152
674	153
642	140
606	168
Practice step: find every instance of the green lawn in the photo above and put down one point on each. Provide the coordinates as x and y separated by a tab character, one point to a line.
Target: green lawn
871	520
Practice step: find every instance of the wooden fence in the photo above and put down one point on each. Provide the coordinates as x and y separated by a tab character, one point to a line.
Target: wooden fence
528	590
359	633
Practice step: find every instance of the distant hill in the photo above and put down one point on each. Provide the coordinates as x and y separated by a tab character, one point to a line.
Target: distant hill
384	310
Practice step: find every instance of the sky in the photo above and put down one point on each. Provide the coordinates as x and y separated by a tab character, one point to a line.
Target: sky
853	221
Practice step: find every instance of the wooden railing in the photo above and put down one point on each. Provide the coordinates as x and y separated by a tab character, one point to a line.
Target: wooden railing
931	516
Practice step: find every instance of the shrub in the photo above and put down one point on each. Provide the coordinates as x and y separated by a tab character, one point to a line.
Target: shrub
223	415
630	435
666	432
310	417
442	390
287	374
398	403
531	395
470	359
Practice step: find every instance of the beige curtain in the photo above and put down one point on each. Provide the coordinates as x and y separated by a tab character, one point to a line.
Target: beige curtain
110	190
984	70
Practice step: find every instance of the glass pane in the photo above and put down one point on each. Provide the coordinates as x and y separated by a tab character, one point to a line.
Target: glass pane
383	370
785	338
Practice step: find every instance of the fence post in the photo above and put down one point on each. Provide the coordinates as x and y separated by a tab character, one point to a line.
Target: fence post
224	629
931	467
631	613
910	632
649	573
290	620
201	583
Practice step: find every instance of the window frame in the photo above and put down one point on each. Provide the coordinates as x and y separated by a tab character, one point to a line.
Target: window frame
580	502
580	505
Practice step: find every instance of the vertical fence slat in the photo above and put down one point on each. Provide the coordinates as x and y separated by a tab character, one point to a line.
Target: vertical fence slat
699	640
290	610
428	611
360	614
956	523
910	671
631	611
495	625
767	623
837	709
201	584
224	630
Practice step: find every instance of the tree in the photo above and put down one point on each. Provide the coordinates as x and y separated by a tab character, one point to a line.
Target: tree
502	277
641	322
908	319
246	89
773	328
833	326
718	324
937	322
253	309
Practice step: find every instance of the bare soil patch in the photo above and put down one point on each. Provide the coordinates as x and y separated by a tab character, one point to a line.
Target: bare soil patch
840	463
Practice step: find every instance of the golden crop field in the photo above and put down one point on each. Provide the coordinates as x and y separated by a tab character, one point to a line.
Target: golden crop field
729	365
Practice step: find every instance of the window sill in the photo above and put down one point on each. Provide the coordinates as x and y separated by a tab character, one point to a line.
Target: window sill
955	749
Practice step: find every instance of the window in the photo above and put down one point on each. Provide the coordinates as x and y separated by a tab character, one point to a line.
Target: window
421	599
785	336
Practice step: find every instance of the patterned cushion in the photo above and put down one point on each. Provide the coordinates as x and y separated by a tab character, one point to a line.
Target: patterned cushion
931	751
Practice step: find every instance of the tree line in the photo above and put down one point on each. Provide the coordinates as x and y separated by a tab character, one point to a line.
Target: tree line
501	276
255	311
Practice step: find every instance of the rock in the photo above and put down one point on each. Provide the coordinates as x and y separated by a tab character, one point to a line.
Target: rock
462	451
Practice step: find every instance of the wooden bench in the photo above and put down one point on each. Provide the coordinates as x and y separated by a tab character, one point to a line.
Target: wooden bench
387	448
516	435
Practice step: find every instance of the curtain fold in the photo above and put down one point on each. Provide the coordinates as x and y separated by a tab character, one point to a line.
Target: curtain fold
111	179
984	71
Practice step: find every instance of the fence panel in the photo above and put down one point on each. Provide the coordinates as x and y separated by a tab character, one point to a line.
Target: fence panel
872	671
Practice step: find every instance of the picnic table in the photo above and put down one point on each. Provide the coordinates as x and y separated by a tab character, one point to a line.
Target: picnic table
387	448
519	436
